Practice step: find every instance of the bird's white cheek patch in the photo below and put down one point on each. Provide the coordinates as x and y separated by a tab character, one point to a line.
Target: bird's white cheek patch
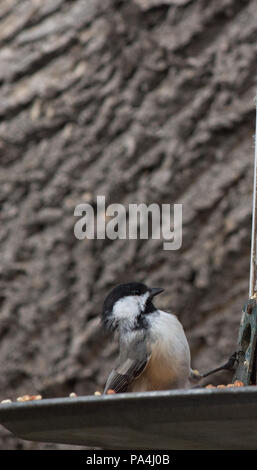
126	309
141	299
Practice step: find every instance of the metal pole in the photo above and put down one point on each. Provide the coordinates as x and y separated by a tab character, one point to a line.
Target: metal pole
253	262
247	341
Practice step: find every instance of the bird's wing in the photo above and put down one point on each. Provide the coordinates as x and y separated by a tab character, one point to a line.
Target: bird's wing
130	366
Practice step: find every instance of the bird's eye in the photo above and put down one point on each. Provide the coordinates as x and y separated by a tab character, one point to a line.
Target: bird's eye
137	292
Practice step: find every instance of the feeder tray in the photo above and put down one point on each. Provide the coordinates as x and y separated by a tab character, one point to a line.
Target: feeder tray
181	419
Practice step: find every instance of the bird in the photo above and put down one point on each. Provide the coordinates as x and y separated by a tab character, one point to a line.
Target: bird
153	349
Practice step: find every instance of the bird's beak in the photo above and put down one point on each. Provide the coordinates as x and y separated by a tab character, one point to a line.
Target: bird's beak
155	291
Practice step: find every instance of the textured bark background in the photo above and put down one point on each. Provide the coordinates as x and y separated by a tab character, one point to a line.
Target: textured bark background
140	101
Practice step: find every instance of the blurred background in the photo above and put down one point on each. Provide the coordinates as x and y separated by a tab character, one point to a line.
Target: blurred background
139	101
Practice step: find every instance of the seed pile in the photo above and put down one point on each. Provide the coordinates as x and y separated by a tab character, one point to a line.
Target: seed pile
24	398
237	383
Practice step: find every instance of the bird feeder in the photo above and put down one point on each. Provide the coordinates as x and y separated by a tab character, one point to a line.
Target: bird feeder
178	419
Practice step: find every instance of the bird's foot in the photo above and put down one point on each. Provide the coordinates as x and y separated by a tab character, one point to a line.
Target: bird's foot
195	374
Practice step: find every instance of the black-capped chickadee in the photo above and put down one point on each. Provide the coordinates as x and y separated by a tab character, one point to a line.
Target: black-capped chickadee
153	349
